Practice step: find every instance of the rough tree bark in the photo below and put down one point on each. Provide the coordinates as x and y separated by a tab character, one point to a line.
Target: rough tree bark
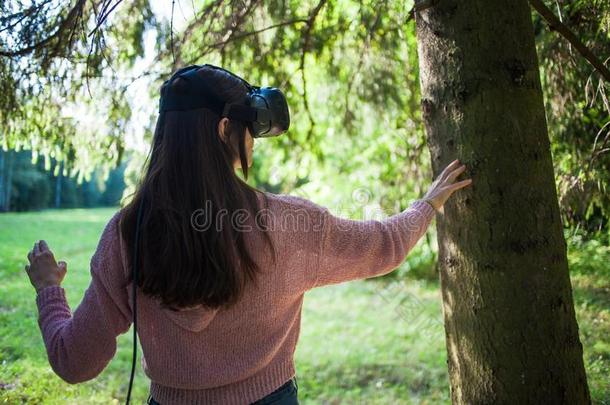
511	331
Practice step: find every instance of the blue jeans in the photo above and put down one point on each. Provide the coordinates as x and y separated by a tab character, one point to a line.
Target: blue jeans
285	395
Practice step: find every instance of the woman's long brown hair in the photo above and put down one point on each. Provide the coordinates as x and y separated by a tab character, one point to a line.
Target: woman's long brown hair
190	168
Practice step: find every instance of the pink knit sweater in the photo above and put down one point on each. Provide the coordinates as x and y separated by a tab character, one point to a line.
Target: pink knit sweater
233	356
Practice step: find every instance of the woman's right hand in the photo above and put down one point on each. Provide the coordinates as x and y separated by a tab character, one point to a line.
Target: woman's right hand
442	188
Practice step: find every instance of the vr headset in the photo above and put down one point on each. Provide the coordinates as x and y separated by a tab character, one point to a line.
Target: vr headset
264	109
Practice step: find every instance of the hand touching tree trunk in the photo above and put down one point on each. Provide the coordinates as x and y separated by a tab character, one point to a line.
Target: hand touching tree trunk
442	188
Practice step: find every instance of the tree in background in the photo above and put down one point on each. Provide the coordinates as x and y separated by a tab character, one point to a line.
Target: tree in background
32	186
578	111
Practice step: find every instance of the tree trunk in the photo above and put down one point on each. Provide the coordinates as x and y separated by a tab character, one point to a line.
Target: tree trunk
511	331
9	157
58	180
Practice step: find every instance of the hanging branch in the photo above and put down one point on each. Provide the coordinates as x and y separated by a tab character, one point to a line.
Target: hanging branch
557	25
69	23
21	15
255	32
104	15
370	33
307	37
602	149
207	16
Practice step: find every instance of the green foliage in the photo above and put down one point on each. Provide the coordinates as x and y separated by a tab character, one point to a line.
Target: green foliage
589	261
578	112
357	126
50	74
590	256
34	186
350	73
31	188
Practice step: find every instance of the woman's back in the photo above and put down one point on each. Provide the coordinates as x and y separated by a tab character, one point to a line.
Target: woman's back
243	353
246	351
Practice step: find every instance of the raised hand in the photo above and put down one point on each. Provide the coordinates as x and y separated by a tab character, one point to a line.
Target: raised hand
43	270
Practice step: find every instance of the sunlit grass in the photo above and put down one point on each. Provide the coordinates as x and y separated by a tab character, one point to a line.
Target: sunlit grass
376	342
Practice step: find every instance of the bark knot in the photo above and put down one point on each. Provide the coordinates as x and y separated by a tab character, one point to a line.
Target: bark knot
427	106
517	69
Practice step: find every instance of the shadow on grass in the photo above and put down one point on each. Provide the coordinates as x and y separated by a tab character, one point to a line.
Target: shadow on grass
388	383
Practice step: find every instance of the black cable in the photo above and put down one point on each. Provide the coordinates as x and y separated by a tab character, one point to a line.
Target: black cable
135	308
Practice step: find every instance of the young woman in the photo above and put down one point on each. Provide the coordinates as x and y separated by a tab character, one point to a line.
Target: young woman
222	266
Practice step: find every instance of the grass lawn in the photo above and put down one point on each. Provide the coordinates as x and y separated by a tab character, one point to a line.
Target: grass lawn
375	342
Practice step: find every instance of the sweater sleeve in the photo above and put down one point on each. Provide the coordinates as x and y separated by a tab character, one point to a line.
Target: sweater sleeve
80	345
351	250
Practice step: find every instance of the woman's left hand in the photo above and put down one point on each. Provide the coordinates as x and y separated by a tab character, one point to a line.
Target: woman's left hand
43	270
